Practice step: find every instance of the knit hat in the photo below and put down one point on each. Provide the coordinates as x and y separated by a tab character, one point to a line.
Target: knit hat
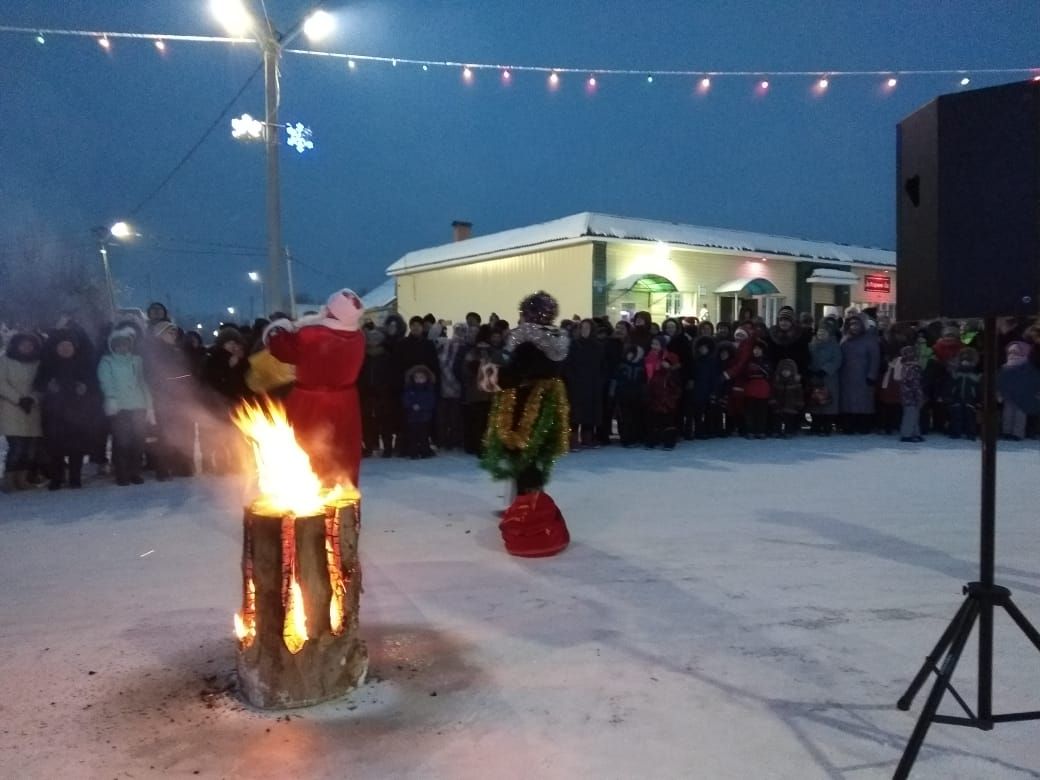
951	331
785	313
346	307
908	354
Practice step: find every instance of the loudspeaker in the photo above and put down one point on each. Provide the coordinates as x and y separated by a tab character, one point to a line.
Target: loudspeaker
968	205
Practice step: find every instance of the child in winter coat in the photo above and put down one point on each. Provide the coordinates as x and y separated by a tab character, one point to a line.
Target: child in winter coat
629	391
912	396
663	391
705	374
788	397
718	404
20	419
757	391
962	396
419	400
1013	418
127	404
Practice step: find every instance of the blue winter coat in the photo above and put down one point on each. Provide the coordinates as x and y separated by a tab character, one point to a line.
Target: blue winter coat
419	402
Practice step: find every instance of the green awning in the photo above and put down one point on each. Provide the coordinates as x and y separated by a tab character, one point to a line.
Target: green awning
748	287
644	283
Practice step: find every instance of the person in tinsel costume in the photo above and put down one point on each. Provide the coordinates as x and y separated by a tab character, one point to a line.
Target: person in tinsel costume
529	427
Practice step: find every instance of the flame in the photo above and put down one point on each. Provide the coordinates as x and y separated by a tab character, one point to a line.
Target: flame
286	480
245	622
295	630
336	581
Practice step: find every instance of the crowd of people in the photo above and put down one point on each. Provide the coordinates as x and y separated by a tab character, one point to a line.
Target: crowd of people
147	396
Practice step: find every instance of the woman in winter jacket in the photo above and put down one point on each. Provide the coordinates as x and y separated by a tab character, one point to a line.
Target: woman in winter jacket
450	353
825	359
71	404
629	391
224	382
127	404
861	362
20	418
174	397
584	377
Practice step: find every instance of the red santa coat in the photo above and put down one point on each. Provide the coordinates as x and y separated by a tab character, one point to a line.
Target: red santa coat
323	406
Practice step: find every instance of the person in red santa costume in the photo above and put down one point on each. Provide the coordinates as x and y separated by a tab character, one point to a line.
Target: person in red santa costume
327	349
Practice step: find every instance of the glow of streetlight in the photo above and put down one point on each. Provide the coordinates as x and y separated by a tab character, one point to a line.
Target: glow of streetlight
121	230
318	25
232	15
254	276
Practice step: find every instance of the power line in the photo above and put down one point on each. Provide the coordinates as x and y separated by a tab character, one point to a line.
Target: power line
213	126
548	69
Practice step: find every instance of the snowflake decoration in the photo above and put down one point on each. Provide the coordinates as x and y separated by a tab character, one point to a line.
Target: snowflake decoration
299	137
247	127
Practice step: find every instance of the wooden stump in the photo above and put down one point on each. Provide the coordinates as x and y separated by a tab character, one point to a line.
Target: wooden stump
289	564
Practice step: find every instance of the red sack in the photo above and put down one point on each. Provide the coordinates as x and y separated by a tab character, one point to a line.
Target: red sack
533	527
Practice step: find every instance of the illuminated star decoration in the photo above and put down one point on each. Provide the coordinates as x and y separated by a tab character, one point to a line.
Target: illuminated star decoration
299	137
246	127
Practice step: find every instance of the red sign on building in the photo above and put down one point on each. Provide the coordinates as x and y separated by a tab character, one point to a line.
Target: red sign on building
877	283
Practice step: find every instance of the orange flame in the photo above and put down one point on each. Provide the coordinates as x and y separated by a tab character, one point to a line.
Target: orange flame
286	480
245	625
295	630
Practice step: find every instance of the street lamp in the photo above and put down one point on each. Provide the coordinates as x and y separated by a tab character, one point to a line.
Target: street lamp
254	276
235	16
120	230
231	310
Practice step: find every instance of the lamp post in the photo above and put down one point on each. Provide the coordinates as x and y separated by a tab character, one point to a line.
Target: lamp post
238	20
255	276
119	230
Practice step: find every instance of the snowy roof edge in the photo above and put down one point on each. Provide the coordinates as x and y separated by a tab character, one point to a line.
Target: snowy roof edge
595	225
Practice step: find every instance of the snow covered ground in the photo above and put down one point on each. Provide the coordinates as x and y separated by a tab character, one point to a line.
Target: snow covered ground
729	610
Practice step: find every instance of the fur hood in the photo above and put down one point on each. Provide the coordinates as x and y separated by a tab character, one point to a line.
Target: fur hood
15	343
414	371
704	341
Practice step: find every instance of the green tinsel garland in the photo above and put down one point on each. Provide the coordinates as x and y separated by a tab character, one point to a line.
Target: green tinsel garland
550	438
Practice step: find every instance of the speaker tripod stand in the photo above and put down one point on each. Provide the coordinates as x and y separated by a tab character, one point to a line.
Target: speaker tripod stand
978	606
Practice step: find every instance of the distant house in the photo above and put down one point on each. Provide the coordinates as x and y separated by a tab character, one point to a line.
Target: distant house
598	264
381	301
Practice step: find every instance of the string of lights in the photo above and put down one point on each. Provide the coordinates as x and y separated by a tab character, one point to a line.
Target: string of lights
590	75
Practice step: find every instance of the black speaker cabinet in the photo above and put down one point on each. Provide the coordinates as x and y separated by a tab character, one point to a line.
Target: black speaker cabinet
968	205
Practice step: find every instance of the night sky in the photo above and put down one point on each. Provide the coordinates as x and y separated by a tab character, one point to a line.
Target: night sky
400	152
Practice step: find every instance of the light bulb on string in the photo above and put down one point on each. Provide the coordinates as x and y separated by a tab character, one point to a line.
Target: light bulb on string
823	83
351	64
160	45
506	76
590	84
425	67
40	39
393	62
965	81
649	79
891	83
554	80
104	43
467	75
705	84
763	87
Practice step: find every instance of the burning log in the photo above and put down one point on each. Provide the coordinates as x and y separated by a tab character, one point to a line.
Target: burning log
298	629
301	581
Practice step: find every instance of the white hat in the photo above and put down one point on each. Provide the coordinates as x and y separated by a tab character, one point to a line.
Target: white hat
346	307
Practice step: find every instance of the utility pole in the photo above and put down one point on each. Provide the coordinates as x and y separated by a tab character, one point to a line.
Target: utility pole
276	271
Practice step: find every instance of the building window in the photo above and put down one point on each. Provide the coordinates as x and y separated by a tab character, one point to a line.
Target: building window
673	304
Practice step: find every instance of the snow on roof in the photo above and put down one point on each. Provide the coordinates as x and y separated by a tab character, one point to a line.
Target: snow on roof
381	296
592	225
